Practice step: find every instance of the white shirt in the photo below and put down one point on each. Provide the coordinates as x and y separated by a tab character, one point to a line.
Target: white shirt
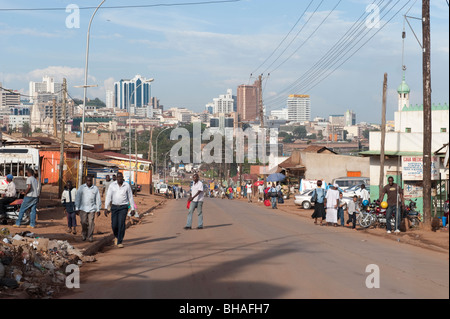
364	194
11	190
65	197
88	199
249	188
34	192
196	187
119	195
332	197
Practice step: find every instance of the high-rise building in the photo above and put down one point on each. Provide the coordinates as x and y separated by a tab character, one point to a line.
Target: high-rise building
131	94
109	99
48	87
9	98
224	104
350	118
248	97
299	108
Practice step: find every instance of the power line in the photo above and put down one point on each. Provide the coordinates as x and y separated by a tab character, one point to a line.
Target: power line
126	6
304	42
315	79
284	39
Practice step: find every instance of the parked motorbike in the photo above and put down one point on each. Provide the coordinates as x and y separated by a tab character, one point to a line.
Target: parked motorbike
411	213
12	214
375	216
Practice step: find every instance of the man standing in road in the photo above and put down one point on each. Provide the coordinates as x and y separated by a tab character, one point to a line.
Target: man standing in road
196	199
30	200
363	195
394	199
120	196
249	191
106	184
87	203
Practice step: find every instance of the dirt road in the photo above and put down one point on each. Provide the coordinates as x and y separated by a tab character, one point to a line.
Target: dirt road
247	251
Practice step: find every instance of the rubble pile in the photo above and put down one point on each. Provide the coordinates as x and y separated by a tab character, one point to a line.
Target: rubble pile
35	267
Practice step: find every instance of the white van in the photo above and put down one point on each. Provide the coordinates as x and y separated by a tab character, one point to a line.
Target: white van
346	182
163	189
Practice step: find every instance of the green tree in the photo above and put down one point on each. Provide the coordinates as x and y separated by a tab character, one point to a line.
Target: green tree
300	132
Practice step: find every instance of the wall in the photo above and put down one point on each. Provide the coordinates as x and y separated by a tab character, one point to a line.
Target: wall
406	142
414	120
329	166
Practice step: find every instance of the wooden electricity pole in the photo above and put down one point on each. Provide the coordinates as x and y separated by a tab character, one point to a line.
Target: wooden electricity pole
426	112
63	129
260	102
383	134
55	127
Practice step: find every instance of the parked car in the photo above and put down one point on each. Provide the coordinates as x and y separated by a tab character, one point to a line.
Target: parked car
163	189
346	182
304	199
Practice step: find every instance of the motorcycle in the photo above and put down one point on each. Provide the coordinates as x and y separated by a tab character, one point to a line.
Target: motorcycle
411	213
375	216
12	214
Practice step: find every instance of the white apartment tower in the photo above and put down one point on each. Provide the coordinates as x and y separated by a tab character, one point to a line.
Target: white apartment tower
47	86
299	108
224	104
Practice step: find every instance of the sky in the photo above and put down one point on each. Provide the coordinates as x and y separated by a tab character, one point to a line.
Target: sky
195	51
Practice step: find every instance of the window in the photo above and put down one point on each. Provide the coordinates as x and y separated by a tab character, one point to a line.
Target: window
443	130
408	130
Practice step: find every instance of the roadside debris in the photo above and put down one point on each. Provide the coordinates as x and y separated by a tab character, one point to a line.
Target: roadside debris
35	267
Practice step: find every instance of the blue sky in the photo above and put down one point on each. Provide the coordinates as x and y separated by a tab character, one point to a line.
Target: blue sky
197	52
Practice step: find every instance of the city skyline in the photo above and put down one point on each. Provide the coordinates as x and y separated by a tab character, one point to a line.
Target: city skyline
195	53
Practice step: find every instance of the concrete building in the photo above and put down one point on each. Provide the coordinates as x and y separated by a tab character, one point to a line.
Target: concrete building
280	114
404	149
46	90
248	97
9	97
299	108
350	118
224	103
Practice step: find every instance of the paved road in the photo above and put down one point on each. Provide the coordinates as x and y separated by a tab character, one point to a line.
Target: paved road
249	251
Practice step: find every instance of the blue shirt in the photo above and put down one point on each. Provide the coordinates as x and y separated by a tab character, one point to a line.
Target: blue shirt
88	199
320	195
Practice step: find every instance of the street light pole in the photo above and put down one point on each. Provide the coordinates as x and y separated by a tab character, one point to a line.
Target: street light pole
157	147
80	165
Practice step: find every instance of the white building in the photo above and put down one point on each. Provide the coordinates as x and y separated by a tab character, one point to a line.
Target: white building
280	114
109	99
46	87
133	94
404	148
299	108
224	104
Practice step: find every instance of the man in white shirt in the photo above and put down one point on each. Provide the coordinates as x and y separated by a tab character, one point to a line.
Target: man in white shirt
30	199
363	195
332	204
196	199
249	191
9	196
87	203
120	196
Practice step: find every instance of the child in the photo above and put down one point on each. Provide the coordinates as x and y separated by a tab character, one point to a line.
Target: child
353	210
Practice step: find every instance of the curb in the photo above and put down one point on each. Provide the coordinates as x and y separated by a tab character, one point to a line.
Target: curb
97	246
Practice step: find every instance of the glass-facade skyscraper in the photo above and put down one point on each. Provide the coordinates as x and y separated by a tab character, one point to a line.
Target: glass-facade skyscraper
134	93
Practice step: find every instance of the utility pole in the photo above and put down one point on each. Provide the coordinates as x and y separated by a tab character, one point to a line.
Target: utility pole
63	129
55	127
135	161
426	112
260	102
383	134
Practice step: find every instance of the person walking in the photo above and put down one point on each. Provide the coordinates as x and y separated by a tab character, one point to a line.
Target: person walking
394	199
9	196
249	190
68	201
318	198
87	203
261	192
353	210
273	192
342	206
30	199
196	202
106	184
120	197
332	204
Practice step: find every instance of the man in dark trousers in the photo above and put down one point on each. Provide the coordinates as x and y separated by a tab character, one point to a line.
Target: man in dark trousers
120	196
394	199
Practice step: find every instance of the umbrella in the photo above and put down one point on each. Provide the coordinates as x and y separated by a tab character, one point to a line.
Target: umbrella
259	183
276	177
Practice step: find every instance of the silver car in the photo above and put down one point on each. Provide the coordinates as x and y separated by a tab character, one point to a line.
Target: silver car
304	199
